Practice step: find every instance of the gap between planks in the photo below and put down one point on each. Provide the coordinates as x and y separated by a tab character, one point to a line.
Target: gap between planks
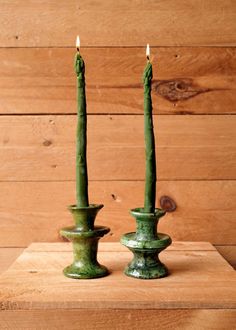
112	114
116	246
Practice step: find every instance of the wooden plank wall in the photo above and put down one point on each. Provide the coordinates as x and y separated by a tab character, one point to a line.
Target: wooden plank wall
194	97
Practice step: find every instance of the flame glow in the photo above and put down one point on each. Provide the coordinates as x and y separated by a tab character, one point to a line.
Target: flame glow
77	42
148	51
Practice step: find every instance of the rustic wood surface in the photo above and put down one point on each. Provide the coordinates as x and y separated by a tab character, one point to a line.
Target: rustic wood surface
191	319
106	23
8	256
43	147
35	211
229	253
193	54
40	260
200	281
186	80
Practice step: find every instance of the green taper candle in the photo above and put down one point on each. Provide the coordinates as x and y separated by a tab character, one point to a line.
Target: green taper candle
82	199
150	178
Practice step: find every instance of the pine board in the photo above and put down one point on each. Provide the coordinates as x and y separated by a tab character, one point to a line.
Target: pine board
201	290
228	252
8	256
207	319
35	211
108	23
191	80
42	148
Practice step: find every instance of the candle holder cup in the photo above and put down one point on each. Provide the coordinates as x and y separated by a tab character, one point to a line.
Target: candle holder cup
146	244
84	237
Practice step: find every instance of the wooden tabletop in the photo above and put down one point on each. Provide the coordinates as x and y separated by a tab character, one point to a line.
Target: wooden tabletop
200	279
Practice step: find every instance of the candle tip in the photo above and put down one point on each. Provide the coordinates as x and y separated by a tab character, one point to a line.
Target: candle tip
148	51
77	42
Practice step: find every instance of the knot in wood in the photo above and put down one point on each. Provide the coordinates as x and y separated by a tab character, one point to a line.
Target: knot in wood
47	143
177	89
167	204
180	86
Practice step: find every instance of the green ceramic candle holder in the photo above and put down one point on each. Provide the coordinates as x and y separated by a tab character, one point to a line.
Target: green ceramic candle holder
84	237
146	244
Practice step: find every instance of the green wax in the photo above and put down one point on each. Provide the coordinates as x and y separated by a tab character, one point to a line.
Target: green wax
81	136
150	178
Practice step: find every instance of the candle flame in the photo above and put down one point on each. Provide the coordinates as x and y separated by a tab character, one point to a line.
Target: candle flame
77	42
148	51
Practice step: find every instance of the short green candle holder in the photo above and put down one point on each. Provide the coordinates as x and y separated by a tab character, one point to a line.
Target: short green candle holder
146	244
84	237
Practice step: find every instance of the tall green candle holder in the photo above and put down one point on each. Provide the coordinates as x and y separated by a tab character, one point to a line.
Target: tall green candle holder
84	237
146	244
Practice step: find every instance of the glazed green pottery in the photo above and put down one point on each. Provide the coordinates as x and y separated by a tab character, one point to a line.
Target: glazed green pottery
84	237
146	244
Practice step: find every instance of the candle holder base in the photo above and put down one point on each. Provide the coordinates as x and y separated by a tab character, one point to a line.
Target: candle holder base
146	244
84	237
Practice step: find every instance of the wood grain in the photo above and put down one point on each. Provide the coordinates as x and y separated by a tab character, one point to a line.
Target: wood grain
182	250
198	280
186	80
106	23
199	293
111	246
229	253
207	319
8	256
35	211
43	147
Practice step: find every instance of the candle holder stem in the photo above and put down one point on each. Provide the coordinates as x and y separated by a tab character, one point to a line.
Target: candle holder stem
84	237
146	244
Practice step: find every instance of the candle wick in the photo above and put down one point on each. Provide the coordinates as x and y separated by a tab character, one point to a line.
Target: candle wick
148	58
78	49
